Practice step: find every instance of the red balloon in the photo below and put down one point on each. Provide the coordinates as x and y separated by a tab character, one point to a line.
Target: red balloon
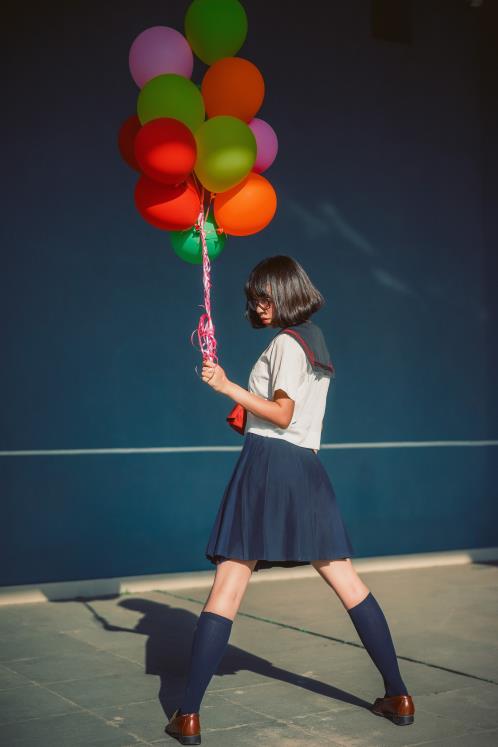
126	140
165	206
166	150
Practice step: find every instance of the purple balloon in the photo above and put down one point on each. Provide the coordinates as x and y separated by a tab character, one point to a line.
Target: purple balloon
158	50
266	144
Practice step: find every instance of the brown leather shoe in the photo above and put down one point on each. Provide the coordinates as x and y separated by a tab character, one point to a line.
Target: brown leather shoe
398	708
186	727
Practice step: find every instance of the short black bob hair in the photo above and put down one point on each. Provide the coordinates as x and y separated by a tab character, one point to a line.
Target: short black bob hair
294	296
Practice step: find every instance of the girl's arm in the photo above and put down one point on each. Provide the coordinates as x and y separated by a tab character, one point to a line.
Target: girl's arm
278	411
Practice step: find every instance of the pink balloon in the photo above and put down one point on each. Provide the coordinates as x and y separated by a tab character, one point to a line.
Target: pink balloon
157	50
266	143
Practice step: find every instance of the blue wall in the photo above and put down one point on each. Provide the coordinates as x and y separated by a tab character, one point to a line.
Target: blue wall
386	179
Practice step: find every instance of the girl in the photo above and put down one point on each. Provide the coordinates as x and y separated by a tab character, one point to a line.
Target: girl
279	507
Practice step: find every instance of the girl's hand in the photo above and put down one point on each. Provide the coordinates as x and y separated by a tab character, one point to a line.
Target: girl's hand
214	375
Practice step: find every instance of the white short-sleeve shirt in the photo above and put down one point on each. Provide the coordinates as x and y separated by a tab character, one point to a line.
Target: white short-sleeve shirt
284	365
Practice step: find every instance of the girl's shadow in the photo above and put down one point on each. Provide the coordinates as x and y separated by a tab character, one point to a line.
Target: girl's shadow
169	632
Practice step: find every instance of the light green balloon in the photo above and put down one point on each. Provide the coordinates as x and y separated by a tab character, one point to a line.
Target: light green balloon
187	244
226	152
215	28
171	95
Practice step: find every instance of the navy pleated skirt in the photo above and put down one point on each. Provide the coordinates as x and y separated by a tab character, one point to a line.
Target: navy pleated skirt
279	508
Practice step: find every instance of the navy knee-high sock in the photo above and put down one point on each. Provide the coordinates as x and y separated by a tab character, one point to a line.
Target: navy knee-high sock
208	646
372	627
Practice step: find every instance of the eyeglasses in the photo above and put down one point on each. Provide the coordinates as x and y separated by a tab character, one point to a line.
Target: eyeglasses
253	304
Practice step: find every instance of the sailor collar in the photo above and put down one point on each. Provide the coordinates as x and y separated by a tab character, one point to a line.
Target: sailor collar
312	341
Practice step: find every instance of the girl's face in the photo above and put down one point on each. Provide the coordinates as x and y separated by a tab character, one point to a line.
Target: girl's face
265	311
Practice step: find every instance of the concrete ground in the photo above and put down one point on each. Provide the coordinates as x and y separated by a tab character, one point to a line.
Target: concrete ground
107	671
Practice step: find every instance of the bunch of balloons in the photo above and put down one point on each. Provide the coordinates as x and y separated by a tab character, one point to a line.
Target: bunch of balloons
200	150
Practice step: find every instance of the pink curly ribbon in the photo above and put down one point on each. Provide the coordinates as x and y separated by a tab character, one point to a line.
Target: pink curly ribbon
205	328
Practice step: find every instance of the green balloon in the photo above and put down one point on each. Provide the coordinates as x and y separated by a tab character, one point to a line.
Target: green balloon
171	95
215	28
226	152
187	244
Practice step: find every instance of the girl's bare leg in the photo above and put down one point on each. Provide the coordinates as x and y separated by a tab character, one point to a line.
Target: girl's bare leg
229	586
341	576
213	629
373	630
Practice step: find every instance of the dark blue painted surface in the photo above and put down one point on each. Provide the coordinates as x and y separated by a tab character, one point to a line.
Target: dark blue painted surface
387	188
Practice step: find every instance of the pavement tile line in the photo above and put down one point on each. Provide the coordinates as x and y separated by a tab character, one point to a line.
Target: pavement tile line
336	640
289	723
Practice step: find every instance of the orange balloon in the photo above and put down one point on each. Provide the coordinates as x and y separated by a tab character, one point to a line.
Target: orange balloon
233	86
246	208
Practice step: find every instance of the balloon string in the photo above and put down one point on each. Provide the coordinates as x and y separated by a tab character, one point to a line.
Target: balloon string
205	328
209	206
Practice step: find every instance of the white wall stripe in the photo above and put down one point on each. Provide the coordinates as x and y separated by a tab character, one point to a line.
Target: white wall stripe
185	449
